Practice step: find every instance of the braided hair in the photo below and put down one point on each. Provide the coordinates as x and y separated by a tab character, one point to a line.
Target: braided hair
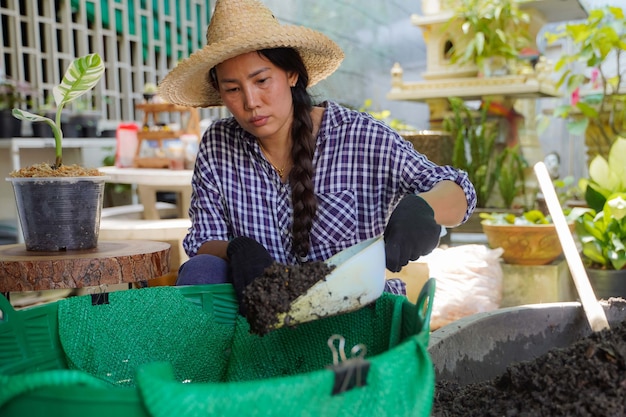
301	175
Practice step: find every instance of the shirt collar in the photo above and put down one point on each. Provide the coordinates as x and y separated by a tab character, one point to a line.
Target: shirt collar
334	116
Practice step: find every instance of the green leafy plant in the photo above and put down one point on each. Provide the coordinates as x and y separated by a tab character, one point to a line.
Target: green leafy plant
598	105
491	28
474	147
603	234
606	177
566	190
81	76
149	88
529	217
510	168
601	228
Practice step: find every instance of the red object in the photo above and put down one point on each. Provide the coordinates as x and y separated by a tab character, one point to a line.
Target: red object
127	142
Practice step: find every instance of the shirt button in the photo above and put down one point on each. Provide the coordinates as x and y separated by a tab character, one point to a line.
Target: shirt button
285	232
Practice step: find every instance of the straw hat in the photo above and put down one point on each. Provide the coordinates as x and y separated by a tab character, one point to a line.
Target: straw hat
238	27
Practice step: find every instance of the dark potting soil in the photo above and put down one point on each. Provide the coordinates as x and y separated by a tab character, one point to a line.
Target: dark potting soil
272	293
588	378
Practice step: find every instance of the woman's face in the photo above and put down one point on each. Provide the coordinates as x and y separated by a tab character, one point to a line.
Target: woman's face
258	94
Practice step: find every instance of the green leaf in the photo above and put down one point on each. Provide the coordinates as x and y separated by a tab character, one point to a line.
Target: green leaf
586	109
617	165
594	198
81	76
31	117
591	251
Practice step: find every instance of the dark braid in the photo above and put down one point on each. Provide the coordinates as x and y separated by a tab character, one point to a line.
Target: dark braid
301	175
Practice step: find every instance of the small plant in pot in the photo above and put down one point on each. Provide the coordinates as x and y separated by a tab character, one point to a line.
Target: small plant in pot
59	205
149	92
591	74
493	34
602	228
527	239
12	93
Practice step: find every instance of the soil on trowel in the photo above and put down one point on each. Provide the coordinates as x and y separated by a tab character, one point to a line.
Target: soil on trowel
587	378
273	292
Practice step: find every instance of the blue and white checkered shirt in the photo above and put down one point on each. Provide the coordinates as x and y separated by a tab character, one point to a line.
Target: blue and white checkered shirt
362	170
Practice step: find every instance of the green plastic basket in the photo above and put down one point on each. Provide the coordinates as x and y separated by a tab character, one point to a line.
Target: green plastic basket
184	351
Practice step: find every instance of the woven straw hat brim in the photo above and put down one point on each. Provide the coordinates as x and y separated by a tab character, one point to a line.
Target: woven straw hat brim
188	83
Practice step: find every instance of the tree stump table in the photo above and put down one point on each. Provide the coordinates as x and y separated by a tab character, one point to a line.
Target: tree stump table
112	262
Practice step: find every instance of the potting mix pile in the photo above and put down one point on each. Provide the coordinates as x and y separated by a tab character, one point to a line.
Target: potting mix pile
273	292
587	378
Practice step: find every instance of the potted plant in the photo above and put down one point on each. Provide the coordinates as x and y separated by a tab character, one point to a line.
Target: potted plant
527	239
12	93
496	170
58	205
601	229
591	75
149	92
493	34
510	172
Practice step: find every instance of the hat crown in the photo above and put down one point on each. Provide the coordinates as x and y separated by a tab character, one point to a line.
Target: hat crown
232	17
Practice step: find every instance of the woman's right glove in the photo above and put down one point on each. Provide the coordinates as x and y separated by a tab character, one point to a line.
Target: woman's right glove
247	259
411	232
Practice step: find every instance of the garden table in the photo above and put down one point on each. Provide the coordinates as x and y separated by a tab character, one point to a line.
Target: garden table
111	262
151	180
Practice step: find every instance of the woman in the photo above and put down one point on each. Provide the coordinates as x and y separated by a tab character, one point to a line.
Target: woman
287	181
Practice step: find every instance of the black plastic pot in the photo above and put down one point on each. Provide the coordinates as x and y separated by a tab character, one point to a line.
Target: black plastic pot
607	283
10	127
86	123
58	214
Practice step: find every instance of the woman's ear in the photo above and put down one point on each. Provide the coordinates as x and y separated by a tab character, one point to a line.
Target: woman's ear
293	79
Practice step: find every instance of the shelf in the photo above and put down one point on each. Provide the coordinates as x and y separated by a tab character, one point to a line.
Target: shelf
148	131
473	88
161	107
159	134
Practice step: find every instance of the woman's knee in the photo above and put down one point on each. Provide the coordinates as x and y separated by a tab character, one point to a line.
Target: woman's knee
203	269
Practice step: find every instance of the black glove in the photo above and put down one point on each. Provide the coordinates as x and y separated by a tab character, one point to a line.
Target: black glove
411	232
247	261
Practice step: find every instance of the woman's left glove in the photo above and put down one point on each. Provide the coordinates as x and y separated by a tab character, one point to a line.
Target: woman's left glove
411	232
247	259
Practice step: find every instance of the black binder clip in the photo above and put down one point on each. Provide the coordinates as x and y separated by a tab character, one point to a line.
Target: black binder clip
349	372
99	298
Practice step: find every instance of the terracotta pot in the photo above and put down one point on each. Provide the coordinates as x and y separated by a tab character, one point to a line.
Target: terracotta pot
525	244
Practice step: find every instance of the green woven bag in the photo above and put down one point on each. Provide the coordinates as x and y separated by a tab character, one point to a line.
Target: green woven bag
152	352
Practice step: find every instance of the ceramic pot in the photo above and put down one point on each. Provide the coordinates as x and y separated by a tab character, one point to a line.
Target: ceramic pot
536	244
58	214
607	283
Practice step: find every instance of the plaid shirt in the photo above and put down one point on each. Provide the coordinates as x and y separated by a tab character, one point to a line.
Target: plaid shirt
362	169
